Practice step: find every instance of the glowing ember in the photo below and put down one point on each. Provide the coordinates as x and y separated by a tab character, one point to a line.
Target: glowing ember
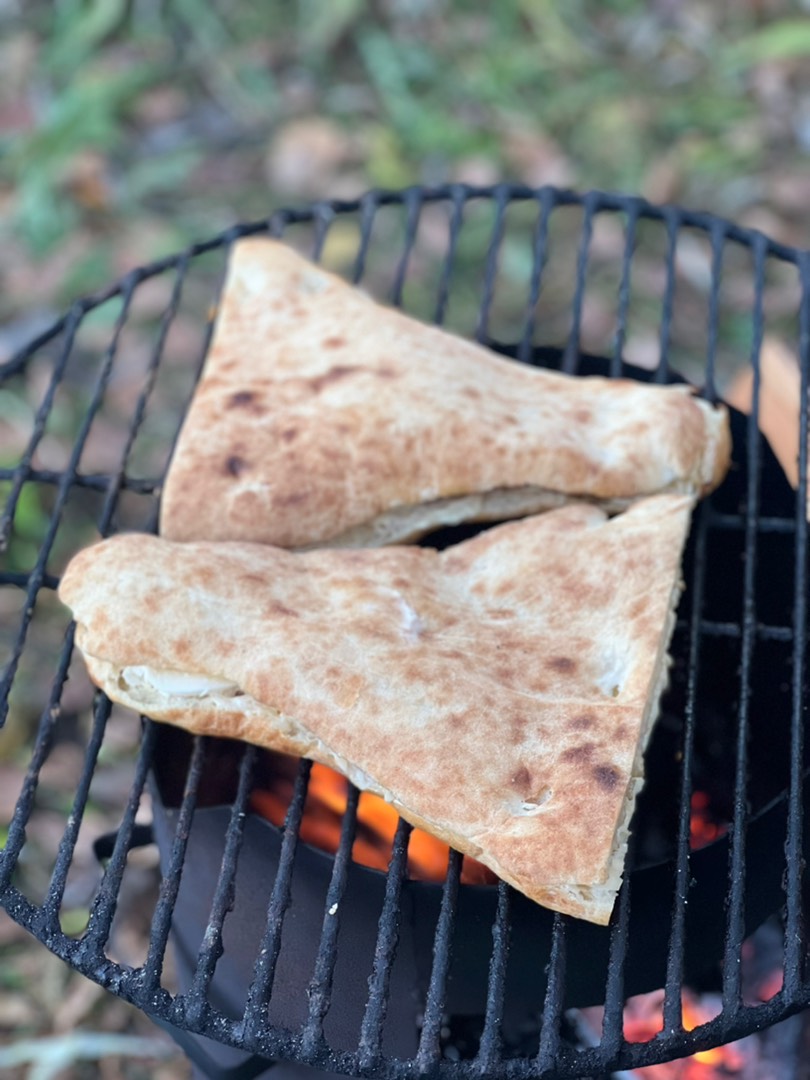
376	825
702	829
643	1020
771	985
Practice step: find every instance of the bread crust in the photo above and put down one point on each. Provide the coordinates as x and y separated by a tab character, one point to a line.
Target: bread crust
323	417
499	693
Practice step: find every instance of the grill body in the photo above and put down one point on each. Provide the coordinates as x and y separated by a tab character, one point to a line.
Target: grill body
557	276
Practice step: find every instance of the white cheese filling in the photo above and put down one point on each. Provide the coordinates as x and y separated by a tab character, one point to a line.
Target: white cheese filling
176	683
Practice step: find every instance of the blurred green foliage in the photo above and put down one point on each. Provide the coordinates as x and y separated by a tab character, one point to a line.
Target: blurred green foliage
615	87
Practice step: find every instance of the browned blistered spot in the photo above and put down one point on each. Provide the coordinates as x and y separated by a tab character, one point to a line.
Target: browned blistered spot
564	664
335	374
235	465
505	672
582	722
471	392
182	648
241	398
252	579
333	342
638	608
386	372
621	732
518	725
606	776
293	499
288	434
454	654
522	780
277	608
498	614
583	416
578	755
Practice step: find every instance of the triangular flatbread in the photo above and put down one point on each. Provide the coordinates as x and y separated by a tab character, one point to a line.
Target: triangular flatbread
499	693
323	417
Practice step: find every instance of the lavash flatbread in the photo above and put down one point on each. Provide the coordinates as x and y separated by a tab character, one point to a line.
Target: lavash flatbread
323	417
499	693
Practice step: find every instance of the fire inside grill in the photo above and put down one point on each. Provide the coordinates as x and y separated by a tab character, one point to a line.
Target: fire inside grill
325	807
306	922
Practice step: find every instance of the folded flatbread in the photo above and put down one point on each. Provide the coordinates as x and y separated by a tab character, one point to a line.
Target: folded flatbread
323	417
499	694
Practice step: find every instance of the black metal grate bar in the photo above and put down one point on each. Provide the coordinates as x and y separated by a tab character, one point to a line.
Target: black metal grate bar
553	1004
735	925
102	913
453	232
371	1031
265	969
429	1049
491	264
710	628
673	220
675	956
718	240
570	363
319	991
547	202
23	581
170	882
765	524
413	209
324	216
631	224
196	999
489	1053
794	923
613	1019
56	889
25	801
275	225
368	213
97	482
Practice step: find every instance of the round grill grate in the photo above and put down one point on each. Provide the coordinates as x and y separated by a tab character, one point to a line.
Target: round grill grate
584	283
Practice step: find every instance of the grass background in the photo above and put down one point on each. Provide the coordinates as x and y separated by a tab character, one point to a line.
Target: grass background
129	128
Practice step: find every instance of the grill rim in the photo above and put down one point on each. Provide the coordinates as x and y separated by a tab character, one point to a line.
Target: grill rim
191	1011
324	210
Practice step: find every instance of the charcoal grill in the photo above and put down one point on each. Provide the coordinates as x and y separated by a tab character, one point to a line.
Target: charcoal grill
584	283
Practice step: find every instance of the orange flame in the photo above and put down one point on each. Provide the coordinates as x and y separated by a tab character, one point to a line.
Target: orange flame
325	805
